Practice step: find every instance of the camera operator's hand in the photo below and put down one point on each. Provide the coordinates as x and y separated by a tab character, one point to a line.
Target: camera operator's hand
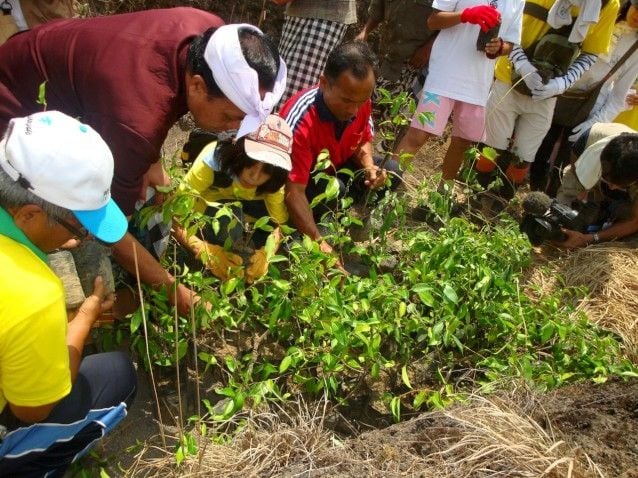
574	239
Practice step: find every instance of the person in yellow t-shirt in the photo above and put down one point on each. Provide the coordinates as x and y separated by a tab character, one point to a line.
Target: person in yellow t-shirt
252	172
517	123
54	405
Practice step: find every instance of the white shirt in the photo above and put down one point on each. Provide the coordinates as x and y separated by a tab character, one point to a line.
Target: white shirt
611	99
587	167
457	70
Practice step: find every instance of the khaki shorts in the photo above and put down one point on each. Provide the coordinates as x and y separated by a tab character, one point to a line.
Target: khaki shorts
512	117
40	11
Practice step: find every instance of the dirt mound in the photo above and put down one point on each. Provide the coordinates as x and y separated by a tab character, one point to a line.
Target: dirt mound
583	430
579	430
600	419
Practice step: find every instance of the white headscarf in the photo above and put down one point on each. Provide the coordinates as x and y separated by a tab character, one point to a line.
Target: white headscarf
238	81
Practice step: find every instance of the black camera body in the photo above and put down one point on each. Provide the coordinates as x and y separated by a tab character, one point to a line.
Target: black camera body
548	226
544	219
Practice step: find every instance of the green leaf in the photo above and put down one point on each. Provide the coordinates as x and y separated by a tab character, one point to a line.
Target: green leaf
317	199
180	455
285	364
436	400
419	399
450	294
374	370
263	224
209	359
484	282
323	161
424	292
489	153
404	377
231	363
547	331
332	190
42	95
395	408
136	321
270	247
402	309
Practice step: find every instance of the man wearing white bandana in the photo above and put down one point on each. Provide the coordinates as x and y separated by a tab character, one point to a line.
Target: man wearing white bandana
131	77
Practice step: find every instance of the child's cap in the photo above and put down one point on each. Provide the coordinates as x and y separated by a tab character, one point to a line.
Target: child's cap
65	163
271	143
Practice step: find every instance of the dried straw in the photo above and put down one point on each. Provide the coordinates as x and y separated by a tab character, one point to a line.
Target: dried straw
497	439
610	273
481	438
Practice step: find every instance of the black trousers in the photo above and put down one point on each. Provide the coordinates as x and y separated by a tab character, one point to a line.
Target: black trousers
349	186
103	381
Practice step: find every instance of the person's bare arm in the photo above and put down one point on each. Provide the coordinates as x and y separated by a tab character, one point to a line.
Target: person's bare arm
497	47
484	16
421	56
439	20
152	273
617	230
78	331
301	214
368	28
32	414
299	210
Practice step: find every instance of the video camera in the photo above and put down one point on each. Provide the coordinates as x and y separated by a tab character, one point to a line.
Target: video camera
544	218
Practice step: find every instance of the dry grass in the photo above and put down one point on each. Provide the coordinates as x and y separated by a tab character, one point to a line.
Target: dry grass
610	273
483	437
266	444
497	439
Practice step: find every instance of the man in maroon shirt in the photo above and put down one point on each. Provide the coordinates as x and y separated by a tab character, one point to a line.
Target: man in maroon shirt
131	77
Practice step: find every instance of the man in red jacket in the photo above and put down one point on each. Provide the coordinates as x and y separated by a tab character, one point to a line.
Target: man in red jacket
131	77
335	116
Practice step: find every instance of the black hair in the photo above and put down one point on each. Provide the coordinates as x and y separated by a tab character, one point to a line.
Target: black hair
622	11
259	50
619	160
234	160
355	57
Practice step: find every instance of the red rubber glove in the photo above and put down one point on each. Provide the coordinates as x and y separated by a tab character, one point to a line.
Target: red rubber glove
484	16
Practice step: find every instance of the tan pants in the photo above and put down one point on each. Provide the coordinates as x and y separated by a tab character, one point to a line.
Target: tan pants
7	27
40	11
35	12
570	187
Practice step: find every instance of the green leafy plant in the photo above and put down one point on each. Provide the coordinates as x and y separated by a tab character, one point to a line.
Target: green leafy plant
450	317
453	304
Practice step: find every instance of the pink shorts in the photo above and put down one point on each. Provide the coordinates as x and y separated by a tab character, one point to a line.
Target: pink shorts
468	121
